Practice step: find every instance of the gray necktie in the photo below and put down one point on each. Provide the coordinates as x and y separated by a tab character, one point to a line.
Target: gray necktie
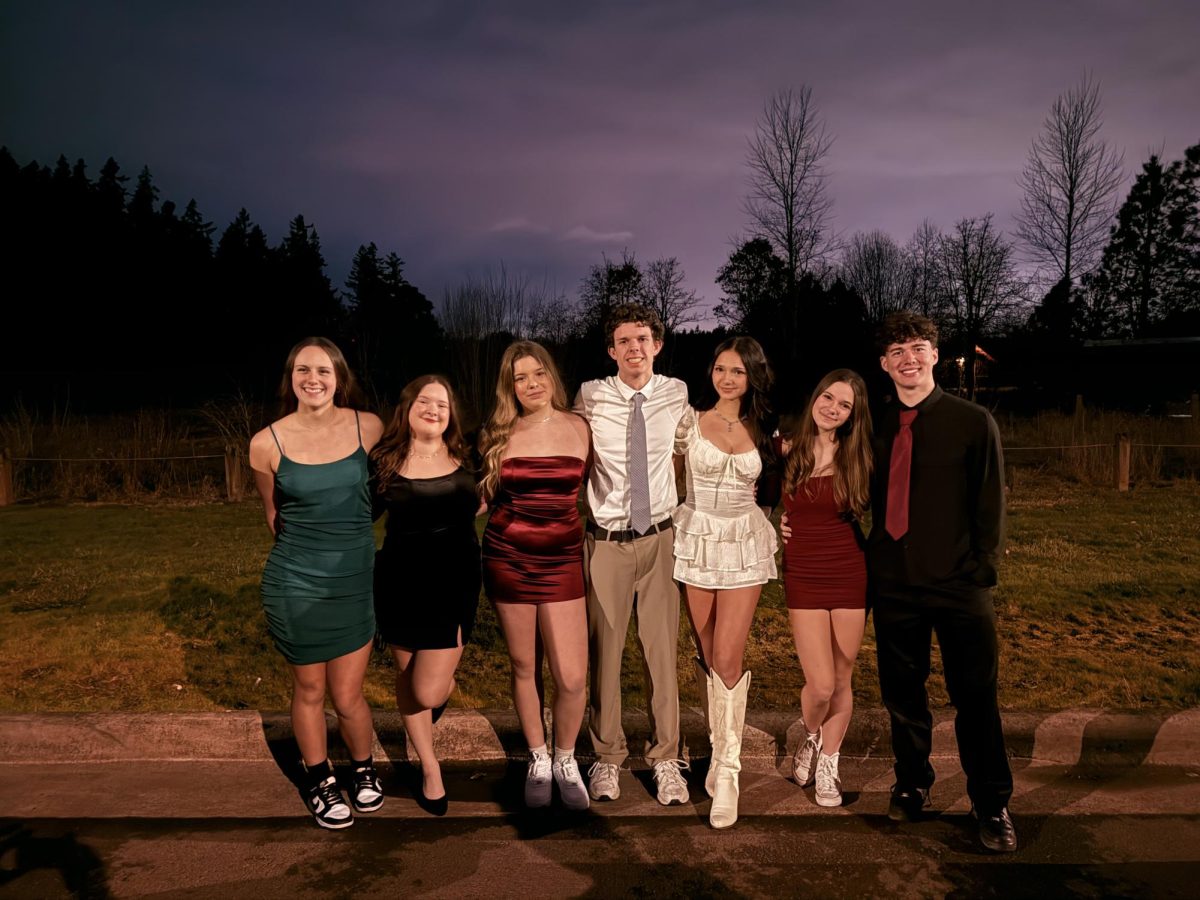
639	469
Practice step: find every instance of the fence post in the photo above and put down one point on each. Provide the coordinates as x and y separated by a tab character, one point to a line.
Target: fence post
1121	457
7	495
1079	416
233	474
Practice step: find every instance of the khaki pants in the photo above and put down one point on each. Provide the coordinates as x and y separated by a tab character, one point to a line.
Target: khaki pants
616	573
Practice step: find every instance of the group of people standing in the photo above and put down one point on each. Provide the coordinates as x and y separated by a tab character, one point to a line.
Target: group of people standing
564	590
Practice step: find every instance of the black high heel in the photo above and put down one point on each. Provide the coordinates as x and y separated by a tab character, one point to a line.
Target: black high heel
436	807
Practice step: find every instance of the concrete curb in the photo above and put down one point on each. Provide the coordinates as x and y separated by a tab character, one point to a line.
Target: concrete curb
1068	737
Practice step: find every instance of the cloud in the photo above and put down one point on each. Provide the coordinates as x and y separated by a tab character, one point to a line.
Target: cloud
584	235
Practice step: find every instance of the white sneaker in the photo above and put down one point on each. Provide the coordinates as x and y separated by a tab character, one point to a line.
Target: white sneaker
604	781
570	784
829	785
538	781
668	777
804	763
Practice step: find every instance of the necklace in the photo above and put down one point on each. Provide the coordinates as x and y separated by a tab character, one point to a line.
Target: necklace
412	454
532	421
729	423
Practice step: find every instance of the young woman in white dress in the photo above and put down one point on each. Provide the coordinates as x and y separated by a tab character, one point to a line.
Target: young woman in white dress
725	546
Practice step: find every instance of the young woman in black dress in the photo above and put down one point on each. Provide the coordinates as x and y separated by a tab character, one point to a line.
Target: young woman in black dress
427	575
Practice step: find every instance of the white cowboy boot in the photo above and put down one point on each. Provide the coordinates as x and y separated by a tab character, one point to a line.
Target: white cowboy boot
704	680
729	717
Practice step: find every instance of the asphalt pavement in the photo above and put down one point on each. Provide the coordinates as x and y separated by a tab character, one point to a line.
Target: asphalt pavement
200	805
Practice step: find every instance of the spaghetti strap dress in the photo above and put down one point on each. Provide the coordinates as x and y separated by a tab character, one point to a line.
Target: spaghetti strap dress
533	543
427	575
316	586
823	563
722	538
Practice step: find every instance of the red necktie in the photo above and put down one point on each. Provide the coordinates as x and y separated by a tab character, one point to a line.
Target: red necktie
896	522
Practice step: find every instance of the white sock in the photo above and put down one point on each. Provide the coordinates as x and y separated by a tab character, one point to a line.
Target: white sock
561	755
539	750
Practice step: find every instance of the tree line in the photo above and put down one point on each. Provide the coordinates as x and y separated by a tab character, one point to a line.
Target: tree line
107	279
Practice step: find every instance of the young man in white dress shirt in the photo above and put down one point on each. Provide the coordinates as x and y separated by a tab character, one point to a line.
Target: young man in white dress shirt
628	550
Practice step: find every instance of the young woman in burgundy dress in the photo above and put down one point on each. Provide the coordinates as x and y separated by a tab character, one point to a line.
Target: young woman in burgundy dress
825	492
535	456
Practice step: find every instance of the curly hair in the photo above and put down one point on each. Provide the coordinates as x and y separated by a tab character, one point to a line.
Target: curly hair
852	457
389	455
498	429
632	314
902	327
346	393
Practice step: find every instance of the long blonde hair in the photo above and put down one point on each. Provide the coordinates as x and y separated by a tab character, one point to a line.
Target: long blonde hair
852	458
504	415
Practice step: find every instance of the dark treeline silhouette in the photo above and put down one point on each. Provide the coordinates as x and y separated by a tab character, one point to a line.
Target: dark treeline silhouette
114	298
117	299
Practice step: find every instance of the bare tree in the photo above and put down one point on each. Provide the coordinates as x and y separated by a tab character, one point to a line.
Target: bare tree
1069	182
880	273
663	291
983	289
479	317
923	250
787	202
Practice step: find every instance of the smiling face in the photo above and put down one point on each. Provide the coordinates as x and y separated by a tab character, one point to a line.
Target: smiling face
910	366
533	385
430	412
314	380
833	407
634	349
729	377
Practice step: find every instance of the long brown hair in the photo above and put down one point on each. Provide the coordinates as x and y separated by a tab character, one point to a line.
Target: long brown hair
852	459
755	404
504	416
389	455
346	393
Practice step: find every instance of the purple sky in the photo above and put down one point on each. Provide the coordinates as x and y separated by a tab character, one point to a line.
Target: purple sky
461	135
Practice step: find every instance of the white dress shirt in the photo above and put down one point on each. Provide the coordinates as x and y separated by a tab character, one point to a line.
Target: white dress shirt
607	404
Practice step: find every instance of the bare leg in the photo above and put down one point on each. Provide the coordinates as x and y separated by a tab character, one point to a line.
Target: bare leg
519	623
563	627
812	632
423	680
702	613
308	712
734	610
344	676
847	627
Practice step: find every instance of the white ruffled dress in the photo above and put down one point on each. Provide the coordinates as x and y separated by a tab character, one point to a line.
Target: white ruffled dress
722	538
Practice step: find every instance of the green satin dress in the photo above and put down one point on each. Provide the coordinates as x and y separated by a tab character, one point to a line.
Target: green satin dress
317	584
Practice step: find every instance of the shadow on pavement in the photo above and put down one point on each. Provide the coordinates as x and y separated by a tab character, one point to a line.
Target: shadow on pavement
24	853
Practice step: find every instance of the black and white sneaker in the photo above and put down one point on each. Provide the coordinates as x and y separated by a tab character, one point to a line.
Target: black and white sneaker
327	805
366	795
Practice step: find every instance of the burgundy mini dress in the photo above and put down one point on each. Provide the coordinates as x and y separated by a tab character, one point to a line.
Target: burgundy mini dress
823	562
533	543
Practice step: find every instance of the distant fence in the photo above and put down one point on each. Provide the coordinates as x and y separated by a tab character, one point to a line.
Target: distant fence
200	475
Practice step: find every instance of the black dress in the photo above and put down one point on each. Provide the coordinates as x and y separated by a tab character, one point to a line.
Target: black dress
427	574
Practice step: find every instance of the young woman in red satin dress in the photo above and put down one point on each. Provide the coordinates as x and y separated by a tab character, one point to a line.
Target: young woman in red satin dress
826	487
535	456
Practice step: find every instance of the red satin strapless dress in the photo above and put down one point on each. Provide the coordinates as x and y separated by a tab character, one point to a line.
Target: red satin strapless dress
823	563
533	543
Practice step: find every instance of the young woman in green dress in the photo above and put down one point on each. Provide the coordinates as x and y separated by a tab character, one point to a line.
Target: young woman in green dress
310	468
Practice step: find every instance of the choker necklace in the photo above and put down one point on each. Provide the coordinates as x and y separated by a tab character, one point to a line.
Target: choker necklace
412	454
540	421
729	423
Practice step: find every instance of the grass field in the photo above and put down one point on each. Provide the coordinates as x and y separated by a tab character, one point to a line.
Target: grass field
156	607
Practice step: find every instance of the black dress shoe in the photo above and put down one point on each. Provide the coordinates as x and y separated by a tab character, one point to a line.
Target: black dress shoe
436	807
907	804
997	832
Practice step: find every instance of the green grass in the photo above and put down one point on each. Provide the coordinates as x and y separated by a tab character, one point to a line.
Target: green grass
156	608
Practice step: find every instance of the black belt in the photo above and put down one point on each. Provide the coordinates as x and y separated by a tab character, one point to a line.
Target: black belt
627	534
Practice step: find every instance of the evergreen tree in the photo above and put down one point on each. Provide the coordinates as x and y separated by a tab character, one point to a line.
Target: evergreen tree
1149	275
